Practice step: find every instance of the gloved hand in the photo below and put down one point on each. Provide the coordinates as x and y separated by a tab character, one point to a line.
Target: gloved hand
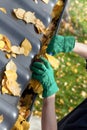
43	72
60	44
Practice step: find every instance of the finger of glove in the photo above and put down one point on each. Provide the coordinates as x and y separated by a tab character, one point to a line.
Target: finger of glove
36	70
37	77
46	63
39	65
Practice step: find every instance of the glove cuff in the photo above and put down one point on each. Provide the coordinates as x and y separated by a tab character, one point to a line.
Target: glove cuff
52	90
69	43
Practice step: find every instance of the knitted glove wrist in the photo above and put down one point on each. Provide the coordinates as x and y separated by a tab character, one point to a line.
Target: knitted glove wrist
60	44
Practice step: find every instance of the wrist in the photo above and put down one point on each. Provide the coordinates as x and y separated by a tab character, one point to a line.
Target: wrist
50	97
69	43
52	89
49	100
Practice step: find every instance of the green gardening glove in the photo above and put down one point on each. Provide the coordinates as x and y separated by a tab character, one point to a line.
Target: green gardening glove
60	44
43	72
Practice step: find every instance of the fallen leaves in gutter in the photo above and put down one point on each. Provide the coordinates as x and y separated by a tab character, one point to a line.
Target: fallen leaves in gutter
29	17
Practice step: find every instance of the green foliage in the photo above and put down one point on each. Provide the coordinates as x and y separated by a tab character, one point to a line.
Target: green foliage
71	77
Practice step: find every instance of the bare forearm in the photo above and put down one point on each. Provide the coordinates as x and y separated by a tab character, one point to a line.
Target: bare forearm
80	49
48	114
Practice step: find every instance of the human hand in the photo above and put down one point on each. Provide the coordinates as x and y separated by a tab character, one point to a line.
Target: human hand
60	44
43	72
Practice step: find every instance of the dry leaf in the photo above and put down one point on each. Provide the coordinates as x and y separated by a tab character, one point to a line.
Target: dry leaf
3	10
40	26
13	55
11	74
9	82
13	87
1	118
57	9
37	87
27	46
21	124
4	88
24	105
11	66
53	61
2	44
17	50
29	17
1	36
8	56
19	13
46	1
5	43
